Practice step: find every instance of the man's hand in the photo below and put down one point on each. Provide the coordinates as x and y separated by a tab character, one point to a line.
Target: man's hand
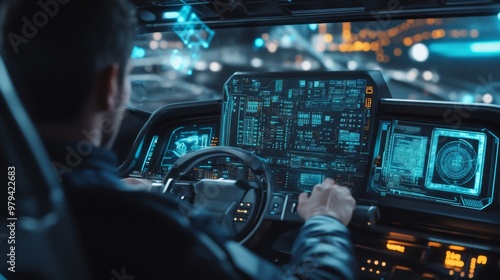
327	199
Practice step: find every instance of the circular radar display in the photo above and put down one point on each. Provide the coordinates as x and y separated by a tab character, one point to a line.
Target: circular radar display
456	162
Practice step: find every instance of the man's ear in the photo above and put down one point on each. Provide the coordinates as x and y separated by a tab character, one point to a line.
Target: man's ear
109	87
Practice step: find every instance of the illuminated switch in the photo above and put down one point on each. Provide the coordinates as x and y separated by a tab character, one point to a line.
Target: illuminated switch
245	212
245	205
240	219
276	205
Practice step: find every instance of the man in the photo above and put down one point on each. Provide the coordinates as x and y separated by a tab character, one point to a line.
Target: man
69	61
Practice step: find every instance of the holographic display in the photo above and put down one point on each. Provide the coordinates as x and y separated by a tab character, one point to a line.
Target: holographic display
436	164
307	127
195	35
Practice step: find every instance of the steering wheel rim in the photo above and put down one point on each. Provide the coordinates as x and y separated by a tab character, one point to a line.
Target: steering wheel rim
185	164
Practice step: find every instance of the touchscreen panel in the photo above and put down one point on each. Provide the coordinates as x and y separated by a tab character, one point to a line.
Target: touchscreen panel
442	165
306	125
165	149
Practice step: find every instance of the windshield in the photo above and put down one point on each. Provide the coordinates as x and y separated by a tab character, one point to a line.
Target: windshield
450	59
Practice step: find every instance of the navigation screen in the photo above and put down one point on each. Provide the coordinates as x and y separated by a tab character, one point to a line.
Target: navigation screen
307	126
186	139
180	141
441	165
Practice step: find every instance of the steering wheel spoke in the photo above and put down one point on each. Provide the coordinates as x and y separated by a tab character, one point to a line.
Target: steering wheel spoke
238	199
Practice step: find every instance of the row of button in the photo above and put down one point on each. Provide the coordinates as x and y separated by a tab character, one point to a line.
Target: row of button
242	212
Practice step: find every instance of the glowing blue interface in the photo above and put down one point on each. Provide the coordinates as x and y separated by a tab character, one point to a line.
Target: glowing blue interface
149	155
441	165
180	141
195	35
306	127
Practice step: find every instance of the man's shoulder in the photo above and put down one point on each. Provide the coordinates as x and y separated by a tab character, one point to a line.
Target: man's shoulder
80	164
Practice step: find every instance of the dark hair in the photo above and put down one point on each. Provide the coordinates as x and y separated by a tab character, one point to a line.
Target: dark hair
55	49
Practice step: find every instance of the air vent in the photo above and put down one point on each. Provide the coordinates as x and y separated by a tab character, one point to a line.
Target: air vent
473	203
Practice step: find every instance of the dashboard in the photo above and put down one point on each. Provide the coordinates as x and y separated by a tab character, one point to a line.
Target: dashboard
171	132
431	167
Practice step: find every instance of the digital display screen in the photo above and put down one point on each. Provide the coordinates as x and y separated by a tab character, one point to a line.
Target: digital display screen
177	142
149	155
186	139
307	127
436	164
456	161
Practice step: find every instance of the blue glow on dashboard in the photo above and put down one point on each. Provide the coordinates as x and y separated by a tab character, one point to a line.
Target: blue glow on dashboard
149	154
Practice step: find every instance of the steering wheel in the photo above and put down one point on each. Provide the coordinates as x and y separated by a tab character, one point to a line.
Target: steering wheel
239	201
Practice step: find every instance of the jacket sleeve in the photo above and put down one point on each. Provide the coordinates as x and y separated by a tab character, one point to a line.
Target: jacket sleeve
322	250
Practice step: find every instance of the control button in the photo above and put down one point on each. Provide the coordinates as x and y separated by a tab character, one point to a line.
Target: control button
276	205
245	205
240	219
242	211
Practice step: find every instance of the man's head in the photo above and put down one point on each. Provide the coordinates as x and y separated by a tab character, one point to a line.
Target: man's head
69	58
